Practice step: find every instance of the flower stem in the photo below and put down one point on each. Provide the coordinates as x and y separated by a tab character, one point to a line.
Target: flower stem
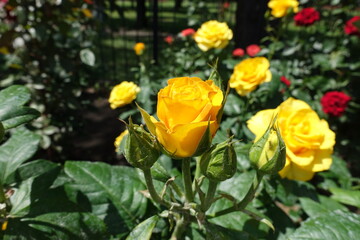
150	186
179	229
246	200
209	195
187	179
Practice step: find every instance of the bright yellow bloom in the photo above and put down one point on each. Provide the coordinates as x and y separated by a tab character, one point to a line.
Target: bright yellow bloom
249	73
139	48
308	139
280	7
186	107
213	34
87	12
119	139
122	94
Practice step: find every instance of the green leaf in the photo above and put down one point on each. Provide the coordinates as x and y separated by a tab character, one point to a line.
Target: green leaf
30	191
54	226
87	57
215	232
19	148
333	225
315	209
144	230
112	191
15	95
14	116
344	196
159	173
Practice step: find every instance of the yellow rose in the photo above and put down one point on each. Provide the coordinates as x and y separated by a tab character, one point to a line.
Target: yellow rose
213	34
185	108
280	7
139	48
249	73
308	139
119	139
122	94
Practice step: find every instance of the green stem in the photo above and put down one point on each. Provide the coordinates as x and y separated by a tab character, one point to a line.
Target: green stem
150	186
246	200
179	229
2	194
197	172
187	179
209	195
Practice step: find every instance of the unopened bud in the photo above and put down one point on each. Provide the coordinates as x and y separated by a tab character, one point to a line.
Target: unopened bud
141	149
268	154
219	162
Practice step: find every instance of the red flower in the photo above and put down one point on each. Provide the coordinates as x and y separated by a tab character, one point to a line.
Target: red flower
334	103
238	52
350	28
306	17
252	50
226	5
187	32
169	39
285	81
89	1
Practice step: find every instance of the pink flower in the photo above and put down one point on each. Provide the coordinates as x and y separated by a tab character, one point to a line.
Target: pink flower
187	32
169	39
238	52
252	50
286	81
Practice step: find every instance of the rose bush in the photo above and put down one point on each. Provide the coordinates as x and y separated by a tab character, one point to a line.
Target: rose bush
308	139
213	34
122	94
249	73
185	108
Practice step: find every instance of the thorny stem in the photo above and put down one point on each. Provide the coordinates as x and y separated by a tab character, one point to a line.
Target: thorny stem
187	179
150	186
246	200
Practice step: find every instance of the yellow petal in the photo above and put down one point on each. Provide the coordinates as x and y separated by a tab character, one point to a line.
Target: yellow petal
184	139
322	160
293	172
260	122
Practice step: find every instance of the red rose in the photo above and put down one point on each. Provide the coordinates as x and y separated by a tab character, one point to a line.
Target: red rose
238	52
350	28
286	81
252	50
187	32
306	17
169	39
334	103
226	4
89	1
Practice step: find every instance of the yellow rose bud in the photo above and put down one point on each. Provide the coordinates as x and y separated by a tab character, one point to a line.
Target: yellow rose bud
269	152
213	34
250	73
186	108
122	94
308	139
119	139
139	48
279	8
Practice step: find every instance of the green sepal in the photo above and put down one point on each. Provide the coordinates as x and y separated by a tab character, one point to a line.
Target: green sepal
205	142
268	154
141	149
219	162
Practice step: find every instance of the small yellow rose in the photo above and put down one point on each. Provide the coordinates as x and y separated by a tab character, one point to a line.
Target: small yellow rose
122	94
119	139
250	73
280	7
139	48
185	108
308	139
213	34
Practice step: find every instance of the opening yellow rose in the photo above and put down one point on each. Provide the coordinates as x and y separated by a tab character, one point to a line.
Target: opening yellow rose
250	73
308	139
213	34
185	108
119	139
122	94
139	48
279	7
